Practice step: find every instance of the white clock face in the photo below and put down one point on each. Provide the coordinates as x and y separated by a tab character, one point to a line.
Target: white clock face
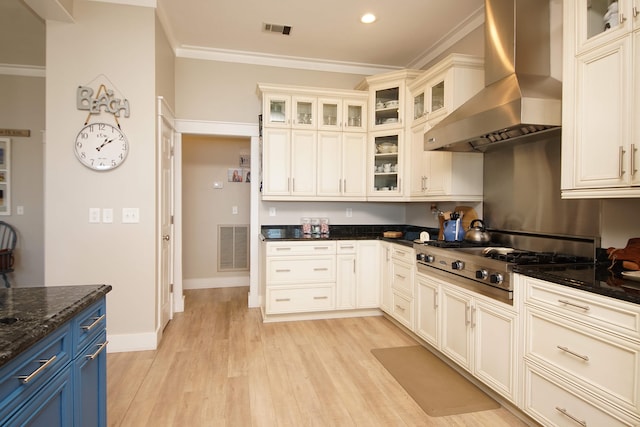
101	146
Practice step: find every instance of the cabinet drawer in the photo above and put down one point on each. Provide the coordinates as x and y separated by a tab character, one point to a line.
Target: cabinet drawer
36	366
301	270
403	253
402	310
300	299
552	403
402	278
606	365
346	247
301	248
88	325
608	313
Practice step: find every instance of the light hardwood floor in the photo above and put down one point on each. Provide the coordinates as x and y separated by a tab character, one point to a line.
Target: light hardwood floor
219	365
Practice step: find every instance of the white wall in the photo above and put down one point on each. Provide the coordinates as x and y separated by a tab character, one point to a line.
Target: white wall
89	52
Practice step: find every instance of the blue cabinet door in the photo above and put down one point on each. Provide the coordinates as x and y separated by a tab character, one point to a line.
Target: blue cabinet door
51	406
90	384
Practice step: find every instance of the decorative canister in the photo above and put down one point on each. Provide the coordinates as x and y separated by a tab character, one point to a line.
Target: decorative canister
306	226
315	227
324	226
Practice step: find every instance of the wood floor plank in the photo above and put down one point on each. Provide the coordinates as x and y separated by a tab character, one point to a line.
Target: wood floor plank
219	365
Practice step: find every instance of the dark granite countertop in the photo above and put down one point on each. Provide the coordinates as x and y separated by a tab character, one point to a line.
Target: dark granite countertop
596	278
39	311
275	233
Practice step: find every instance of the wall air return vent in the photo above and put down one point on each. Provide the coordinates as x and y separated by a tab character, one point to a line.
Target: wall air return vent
275	28
233	247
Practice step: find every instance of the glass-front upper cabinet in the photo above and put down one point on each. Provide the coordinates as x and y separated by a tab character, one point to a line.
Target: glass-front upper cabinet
342	114
599	21
277	108
304	112
355	115
387	106
330	113
418	106
437	96
387	164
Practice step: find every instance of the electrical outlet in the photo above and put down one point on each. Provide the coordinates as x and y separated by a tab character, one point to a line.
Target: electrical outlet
94	215
349	212
218	185
107	215
234	210
130	215
272	211
20	210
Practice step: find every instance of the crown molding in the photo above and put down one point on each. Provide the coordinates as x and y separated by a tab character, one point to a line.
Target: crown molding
22	70
475	20
142	3
256	58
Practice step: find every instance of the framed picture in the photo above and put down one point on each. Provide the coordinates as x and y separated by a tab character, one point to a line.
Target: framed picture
246	174
235	175
5	176
245	160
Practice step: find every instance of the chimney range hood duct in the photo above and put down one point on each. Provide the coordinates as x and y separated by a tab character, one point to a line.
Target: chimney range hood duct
520	100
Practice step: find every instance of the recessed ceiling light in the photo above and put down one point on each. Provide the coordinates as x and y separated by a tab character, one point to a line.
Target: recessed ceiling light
368	18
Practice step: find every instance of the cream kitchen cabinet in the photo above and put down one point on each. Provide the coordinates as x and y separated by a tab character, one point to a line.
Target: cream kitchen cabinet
601	100
388	96
386	293
289	158
479	334
339	114
402	283
286	111
300	277
443	176
428	309
386	165
582	356
358	280
342	160
346	280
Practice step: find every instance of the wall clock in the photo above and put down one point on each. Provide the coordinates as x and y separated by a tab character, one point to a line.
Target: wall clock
101	146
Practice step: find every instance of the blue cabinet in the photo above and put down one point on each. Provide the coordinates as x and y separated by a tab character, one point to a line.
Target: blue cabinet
61	380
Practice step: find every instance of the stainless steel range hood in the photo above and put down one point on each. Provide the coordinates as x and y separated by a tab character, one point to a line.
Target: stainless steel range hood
520	101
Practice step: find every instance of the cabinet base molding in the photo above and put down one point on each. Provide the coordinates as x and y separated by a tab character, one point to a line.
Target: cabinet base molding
333	314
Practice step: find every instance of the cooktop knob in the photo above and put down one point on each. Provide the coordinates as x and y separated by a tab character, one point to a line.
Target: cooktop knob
429	258
496	278
457	265
482	274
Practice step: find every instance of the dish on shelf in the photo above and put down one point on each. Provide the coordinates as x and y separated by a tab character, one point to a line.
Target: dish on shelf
387	147
390	120
391	104
631	275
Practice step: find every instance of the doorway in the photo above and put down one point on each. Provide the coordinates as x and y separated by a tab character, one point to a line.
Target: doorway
213	131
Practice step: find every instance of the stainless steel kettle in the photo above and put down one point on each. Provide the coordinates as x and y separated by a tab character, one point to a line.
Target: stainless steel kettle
477	234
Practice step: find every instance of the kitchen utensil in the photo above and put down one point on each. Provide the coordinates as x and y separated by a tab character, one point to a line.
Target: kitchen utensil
477	233
468	215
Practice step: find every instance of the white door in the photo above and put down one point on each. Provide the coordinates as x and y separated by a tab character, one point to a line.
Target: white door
166	204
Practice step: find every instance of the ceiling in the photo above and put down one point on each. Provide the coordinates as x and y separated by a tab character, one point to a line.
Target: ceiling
324	34
327	31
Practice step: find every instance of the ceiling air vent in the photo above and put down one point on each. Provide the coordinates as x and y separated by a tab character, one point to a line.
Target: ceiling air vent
275	28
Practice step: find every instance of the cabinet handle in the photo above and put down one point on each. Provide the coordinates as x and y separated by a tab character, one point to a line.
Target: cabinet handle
283	299
346	247
282	270
633	159
620	158
96	320
565	302
354	266
635	11
320	269
344	185
283	249
473	317
573	353
321	248
566	414
622	18
400	276
466	314
324	297
293	185
435	299
45	363
288	184
400	308
101	347
388	254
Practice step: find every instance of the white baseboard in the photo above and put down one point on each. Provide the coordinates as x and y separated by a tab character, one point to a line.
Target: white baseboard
215	282
132	342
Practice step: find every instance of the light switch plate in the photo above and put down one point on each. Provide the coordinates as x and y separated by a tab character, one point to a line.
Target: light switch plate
130	215
107	215
94	215
218	184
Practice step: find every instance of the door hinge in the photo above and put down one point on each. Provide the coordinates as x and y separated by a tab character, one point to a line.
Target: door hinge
171	288
171	219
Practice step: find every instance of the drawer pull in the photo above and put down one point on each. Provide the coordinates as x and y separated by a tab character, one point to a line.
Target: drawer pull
346	247
283	249
283	299
566	414
320	269
324	297
45	363
400	308
101	347
566	350
321	248
96	320
565	302
400	276
282	270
